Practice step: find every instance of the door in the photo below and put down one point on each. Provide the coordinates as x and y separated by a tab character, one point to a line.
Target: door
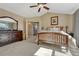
35	27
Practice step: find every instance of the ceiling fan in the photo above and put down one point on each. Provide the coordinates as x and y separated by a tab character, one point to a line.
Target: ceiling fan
40	5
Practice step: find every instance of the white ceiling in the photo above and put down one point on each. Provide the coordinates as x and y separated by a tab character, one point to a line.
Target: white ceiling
23	9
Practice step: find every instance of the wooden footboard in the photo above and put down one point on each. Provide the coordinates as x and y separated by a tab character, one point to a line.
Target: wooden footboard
54	38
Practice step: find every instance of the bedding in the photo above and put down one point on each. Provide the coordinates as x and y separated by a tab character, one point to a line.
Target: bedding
72	41
54	29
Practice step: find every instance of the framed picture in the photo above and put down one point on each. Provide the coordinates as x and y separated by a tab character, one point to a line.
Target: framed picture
54	20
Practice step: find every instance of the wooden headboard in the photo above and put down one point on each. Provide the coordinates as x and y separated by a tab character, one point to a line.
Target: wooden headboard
60	27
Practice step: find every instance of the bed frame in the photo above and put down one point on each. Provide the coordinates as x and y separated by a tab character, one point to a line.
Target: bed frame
53	37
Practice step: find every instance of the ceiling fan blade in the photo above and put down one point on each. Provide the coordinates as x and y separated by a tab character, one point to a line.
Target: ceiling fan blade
39	9
41	3
46	7
44	3
34	6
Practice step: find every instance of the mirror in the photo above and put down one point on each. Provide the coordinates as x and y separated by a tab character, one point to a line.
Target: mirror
8	23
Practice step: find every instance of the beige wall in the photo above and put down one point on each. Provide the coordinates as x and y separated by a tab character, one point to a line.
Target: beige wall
16	17
63	20
44	20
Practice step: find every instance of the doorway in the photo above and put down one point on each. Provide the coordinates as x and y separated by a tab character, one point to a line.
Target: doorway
33	28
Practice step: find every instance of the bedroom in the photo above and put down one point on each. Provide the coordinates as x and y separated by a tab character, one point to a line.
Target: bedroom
27	17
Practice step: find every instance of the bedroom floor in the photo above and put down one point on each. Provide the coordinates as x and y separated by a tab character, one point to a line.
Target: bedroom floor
54	50
30	48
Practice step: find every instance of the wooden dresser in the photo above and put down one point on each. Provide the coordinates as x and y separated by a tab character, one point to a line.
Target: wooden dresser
9	36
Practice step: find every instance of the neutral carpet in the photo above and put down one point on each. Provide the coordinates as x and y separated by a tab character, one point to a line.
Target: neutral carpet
58	51
30	48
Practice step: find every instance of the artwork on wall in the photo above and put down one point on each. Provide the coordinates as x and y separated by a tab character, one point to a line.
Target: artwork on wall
54	20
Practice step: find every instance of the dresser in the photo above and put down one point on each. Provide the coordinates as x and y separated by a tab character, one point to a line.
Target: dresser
10	36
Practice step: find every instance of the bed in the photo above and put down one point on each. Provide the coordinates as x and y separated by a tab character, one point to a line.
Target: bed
55	36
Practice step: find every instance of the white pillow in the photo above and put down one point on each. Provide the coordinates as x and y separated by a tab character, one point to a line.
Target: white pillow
55	29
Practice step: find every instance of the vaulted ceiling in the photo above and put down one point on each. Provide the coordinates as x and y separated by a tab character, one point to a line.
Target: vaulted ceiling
23	9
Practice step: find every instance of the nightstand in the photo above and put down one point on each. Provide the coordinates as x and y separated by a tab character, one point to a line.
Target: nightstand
72	34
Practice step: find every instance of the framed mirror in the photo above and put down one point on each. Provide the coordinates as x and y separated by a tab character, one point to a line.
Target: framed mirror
8	23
